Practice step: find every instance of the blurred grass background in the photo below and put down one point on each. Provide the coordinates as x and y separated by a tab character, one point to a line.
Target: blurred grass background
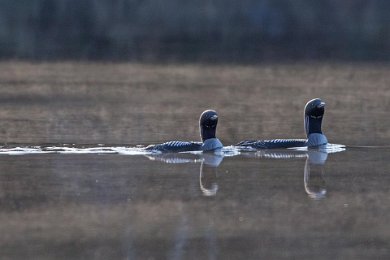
130	103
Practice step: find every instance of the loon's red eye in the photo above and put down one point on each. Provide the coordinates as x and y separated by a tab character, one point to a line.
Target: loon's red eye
210	125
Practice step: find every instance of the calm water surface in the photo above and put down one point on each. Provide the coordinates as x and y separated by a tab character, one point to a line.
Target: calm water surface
279	204
93	204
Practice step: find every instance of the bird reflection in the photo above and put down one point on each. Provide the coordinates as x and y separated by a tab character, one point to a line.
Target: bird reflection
314	170
208	174
209	163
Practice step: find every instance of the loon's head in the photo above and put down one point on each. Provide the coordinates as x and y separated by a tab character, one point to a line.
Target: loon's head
208	124
314	112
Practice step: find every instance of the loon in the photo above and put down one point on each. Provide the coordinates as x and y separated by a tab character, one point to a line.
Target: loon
207	125
314	112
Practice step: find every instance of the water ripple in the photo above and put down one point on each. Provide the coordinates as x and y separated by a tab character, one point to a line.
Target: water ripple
226	151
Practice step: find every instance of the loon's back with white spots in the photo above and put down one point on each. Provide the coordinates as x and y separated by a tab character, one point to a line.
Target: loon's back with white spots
273	144
175	146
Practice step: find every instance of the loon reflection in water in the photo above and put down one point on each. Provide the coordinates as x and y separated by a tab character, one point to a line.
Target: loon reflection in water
314	173
314	182
314	170
209	163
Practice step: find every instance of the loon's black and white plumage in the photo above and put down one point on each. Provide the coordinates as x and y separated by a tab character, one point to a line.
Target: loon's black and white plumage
207	125
314	112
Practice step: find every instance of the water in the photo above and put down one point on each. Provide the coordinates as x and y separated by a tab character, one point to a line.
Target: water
278	203
74	184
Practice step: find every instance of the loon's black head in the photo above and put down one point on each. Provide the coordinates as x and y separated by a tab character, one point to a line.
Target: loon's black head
314	112
208	124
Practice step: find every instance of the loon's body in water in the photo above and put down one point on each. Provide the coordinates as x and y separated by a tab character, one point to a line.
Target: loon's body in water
314	112
207	125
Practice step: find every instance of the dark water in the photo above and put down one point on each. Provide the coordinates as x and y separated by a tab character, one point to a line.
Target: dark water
279	204
123	204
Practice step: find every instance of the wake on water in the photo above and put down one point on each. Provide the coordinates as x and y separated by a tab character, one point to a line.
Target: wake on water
227	151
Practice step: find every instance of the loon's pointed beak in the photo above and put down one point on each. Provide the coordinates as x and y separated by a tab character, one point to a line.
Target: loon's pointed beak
321	105
214	117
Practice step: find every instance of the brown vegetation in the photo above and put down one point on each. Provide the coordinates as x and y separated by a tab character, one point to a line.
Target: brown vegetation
140	104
